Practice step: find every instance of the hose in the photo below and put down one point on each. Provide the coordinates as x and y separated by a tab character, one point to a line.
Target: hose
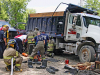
11	66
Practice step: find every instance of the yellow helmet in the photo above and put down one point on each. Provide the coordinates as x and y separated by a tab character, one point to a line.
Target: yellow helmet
5	26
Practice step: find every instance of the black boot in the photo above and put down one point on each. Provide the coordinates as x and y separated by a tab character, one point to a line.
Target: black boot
44	64
30	63
50	70
8	68
18	69
54	69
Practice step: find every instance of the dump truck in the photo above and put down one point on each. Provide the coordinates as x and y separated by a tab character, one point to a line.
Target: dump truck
75	30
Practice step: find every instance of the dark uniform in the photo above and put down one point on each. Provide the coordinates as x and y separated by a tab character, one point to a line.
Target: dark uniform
46	38
2	43
18	44
39	47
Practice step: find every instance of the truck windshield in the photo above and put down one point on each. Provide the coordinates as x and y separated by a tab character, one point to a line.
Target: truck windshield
4	23
90	20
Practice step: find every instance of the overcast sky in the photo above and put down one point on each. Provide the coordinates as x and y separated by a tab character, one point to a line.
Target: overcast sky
49	5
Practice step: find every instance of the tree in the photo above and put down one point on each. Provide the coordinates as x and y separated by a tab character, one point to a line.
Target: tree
93	5
15	11
3	13
25	17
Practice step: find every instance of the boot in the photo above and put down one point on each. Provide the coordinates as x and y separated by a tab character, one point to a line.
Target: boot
54	69
44	64
30	63
52	55
50	70
18	69
8	68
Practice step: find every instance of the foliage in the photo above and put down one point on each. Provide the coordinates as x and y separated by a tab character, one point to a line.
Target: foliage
15	11
93	5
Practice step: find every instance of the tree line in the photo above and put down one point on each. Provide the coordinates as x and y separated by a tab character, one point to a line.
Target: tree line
15	11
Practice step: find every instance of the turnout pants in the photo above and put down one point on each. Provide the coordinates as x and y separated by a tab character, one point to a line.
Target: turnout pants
16	63
39	47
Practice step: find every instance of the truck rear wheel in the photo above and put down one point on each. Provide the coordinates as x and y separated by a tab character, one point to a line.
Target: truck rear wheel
86	53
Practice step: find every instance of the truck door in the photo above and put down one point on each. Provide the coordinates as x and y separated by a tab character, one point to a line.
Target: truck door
74	27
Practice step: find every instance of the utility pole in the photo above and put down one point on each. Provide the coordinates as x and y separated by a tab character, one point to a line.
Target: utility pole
81	3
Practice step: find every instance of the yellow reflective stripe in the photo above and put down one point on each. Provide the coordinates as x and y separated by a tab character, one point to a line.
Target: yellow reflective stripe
30	36
18	65
50	44
30	41
16	53
43	58
31	57
50	49
9	57
9	64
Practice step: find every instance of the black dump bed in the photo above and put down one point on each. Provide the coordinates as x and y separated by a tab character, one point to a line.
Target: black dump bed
53	25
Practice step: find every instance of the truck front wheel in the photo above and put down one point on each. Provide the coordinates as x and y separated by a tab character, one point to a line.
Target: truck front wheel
86	53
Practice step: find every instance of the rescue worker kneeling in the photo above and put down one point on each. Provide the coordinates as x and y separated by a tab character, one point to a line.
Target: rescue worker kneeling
12	53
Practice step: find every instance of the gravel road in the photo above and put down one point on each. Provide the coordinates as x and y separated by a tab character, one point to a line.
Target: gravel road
33	71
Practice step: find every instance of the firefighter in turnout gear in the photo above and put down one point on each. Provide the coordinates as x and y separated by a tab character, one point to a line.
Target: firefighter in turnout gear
12	53
40	42
30	36
50	47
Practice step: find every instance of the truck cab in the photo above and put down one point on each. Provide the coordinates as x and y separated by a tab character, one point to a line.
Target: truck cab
82	25
12	31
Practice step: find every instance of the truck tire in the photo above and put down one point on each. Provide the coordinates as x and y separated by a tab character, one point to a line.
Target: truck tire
86	53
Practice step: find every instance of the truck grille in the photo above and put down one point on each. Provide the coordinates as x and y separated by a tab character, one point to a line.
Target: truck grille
12	34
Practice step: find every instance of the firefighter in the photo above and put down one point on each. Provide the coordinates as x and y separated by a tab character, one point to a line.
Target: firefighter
12	53
30	36
39	47
19	42
36	30
50	47
2	41
46	38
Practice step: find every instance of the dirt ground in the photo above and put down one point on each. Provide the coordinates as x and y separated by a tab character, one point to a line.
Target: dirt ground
33	71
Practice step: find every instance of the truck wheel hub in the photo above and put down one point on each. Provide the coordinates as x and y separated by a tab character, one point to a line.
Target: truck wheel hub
85	54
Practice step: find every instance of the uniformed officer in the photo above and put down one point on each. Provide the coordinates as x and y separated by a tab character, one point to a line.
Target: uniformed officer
30	36
46	38
2	41
50	48
12	53
39	47
6	33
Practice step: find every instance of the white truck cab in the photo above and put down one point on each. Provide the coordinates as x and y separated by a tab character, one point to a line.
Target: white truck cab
85	30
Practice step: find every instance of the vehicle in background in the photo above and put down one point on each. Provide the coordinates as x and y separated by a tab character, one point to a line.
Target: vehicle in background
75	30
12	31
